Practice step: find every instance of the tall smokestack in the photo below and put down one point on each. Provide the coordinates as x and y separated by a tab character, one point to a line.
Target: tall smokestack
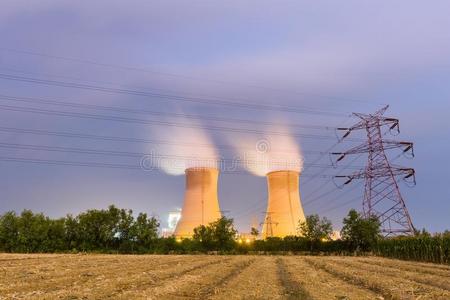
284	208
201	204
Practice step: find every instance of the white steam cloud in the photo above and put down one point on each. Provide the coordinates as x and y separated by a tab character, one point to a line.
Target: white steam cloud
190	147
279	152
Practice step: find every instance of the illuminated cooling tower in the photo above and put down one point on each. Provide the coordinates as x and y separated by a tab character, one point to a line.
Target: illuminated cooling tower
201	204
284	208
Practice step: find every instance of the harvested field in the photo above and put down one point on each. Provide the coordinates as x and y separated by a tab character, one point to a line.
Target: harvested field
218	277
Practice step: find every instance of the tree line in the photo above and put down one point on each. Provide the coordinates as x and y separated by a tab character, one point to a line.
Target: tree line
105	230
115	230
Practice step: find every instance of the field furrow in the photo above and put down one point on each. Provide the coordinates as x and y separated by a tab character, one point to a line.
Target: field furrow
407	266
292	289
200	283
429	265
390	287
170	281
259	281
390	270
322	285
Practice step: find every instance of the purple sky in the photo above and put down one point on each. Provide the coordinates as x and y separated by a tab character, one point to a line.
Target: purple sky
340	57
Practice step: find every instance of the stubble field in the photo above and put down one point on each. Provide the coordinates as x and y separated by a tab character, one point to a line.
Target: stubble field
218	277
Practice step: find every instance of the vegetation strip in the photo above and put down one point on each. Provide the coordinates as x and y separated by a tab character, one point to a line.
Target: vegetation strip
350	279
292	289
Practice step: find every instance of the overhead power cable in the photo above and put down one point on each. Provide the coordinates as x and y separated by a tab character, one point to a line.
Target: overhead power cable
346	167
353	200
139	155
205	101
154	113
161	123
185	77
347	190
135	140
95	164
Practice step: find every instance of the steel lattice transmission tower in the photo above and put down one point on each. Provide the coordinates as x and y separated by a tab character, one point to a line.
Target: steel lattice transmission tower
382	197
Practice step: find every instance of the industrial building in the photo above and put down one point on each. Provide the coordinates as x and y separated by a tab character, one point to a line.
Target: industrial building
284	208
201	203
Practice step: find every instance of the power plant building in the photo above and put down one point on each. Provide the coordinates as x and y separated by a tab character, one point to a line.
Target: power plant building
201	203
284	208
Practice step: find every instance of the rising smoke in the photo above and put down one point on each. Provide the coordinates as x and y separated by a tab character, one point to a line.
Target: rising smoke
260	156
191	147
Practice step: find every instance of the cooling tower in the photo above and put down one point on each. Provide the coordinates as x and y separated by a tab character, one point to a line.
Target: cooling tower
284	208
201	204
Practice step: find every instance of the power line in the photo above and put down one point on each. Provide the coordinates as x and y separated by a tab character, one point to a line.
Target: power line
204	101
140	155
353	188
160	123
333	191
133	140
319	175
69	163
349	165
323	170
122	139
121	67
359	197
154	113
95	164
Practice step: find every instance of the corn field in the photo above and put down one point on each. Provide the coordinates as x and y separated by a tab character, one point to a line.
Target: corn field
428	249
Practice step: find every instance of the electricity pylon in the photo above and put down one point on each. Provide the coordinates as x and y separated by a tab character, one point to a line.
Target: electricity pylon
382	197
268	223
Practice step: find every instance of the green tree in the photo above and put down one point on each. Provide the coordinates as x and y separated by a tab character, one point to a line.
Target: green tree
203	236
223	233
125	233
314	230
71	232
55	239
9	232
145	232
361	233
218	235
98	229
32	231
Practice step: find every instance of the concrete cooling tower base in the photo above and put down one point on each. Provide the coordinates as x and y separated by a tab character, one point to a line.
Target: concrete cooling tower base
284	208
201	204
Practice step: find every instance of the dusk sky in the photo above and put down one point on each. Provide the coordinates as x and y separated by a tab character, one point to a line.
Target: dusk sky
115	76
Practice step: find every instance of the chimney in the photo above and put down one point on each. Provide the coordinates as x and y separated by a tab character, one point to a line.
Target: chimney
284	208
201	204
